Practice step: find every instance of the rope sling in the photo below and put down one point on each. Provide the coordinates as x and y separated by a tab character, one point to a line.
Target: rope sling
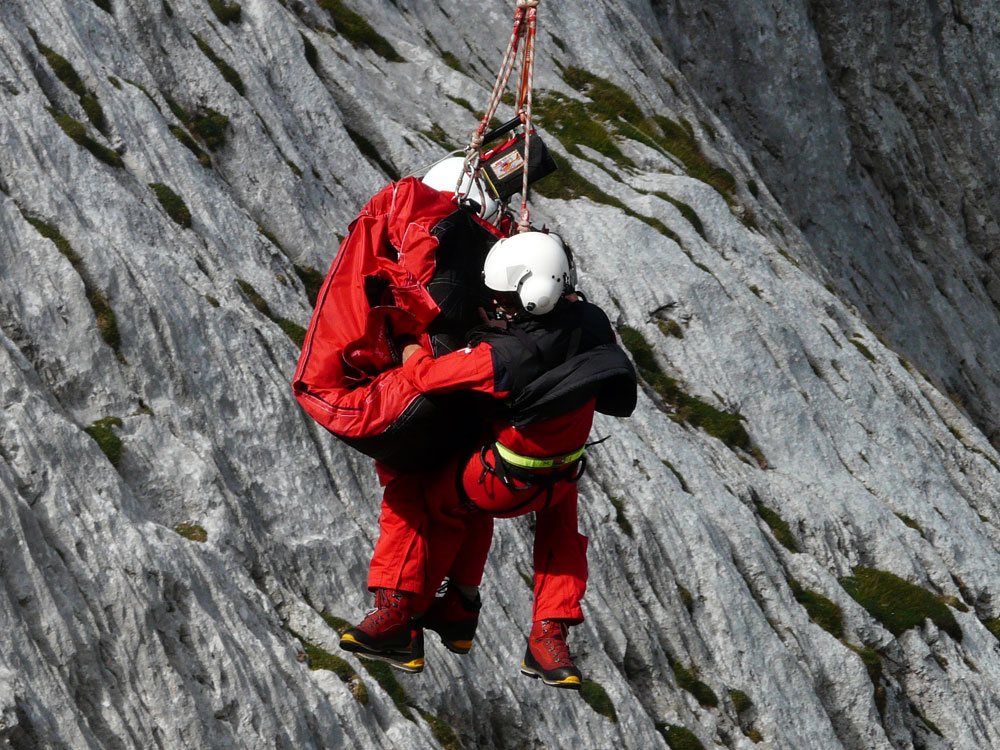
525	27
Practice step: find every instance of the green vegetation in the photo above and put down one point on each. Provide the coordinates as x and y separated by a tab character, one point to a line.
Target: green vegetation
677	475
228	72
442	731
620	517
463	103
779	527
824	612
670	327
109	443
865	351
452	61
296	169
688	409
167	9
185	138
78	132
367	148
597	698
209	126
212	300
358	31
311	279
440	136
225	11
192	532
897	603
336	623
319	658
741	701
66	73
686	598
612	112
686	211
104	5
993	625
172	203
679	738
688	680
107	323
680	141
312	56
383	675
566	183
292	329
907	521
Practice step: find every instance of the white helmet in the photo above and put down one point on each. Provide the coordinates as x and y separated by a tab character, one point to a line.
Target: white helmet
444	175
532	264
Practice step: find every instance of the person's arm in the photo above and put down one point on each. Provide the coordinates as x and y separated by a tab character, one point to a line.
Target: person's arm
469	369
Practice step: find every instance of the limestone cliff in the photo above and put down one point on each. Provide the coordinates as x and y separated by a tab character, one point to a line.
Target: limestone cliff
787	210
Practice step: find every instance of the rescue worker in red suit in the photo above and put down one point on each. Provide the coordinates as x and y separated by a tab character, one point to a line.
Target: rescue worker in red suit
547	363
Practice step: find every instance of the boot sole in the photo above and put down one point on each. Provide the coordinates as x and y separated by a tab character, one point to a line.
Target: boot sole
457	647
567	683
349	643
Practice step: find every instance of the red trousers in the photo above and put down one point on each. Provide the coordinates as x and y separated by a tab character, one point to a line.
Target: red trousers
426	532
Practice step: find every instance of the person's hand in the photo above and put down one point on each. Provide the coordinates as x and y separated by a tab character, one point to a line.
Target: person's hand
409	350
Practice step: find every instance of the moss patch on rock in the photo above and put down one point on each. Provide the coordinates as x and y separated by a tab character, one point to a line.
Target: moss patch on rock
566	184
823	611
311	279
227	71
77	131
292	329
355	29
367	148
66	73
678	737
686	409
595	696
102	431
107	322
225	11
172	203
898	604
688	680
382	673
779	527
192	532
620	518
318	658
443	732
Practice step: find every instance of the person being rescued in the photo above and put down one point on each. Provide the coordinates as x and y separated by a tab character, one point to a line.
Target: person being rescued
545	361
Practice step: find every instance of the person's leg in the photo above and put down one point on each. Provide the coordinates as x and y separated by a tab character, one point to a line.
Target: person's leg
455	616
560	555
560	581
400	555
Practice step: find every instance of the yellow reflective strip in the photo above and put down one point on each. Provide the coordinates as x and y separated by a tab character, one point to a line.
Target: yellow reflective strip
527	462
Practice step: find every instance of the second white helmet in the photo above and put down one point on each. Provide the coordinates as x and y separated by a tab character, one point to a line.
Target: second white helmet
534	265
444	176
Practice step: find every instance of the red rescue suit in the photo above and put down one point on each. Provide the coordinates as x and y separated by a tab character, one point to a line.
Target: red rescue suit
428	531
554	371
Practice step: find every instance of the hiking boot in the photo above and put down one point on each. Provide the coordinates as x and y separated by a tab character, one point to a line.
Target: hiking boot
388	633
454	617
548	658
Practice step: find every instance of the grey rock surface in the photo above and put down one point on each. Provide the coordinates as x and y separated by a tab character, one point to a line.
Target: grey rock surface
121	632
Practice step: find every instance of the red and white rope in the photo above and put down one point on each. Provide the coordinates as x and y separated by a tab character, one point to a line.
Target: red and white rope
525	25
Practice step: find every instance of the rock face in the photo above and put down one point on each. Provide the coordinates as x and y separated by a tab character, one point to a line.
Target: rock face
875	126
784	192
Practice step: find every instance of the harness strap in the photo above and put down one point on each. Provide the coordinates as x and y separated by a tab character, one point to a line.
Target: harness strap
530	462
